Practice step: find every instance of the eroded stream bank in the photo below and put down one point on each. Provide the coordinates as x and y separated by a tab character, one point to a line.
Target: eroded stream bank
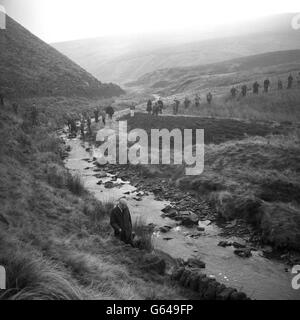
258	277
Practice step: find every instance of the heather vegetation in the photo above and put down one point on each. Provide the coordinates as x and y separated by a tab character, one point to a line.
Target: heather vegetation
56	239
251	172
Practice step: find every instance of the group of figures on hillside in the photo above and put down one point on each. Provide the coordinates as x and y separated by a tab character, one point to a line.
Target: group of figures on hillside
83	121
156	108
266	86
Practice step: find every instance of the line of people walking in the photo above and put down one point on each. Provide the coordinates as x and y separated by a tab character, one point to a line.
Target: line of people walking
266	86
83	122
157	107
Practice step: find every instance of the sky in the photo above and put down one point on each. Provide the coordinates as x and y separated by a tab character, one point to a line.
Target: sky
62	20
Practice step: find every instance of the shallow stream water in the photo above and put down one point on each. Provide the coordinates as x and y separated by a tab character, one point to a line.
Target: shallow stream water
257	276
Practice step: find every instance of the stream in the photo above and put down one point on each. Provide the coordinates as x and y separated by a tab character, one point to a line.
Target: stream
257	276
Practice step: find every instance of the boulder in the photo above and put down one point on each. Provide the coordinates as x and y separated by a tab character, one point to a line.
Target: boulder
243	253
211	291
194	281
177	273
152	263
188	220
195	263
226	294
101	174
186	273
238	296
165	229
224	244
238	245
202	285
109	185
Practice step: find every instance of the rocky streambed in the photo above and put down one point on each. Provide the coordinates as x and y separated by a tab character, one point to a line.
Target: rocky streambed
185	227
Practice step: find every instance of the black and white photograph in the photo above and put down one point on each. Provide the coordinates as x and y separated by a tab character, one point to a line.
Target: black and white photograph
150	153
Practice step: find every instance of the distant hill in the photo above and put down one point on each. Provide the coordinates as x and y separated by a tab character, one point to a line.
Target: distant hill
125	59
226	73
30	67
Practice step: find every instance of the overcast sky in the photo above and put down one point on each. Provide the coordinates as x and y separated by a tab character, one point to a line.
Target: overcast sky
60	20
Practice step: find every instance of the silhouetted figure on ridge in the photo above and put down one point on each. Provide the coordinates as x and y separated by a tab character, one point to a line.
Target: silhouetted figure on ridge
244	90
209	98
176	106
256	87
233	92
160	105
110	111
149	107
197	101
290	81
187	103
266	85
96	114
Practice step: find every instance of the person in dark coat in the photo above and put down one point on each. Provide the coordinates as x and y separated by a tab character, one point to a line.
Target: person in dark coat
266	85
110	111
209	98
96	114
155	109
103	117
187	103
176	106
120	220
255	87
89	124
290	81
197	101
233	92
160	105
244	90
149	107
279	85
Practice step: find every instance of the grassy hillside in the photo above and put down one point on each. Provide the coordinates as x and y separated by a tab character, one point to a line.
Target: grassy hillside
218	76
280	106
30	67
125	60
55	237
251	172
255	179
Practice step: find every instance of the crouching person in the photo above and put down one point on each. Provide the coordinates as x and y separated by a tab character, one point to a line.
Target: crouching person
120	220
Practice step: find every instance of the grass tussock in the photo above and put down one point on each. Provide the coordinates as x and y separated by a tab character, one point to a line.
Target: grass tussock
30	276
279	106
56	239
143	235
75	184
256	179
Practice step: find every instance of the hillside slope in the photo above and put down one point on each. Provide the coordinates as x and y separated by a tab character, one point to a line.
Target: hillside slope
30	67
55	237
126	59
226	73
